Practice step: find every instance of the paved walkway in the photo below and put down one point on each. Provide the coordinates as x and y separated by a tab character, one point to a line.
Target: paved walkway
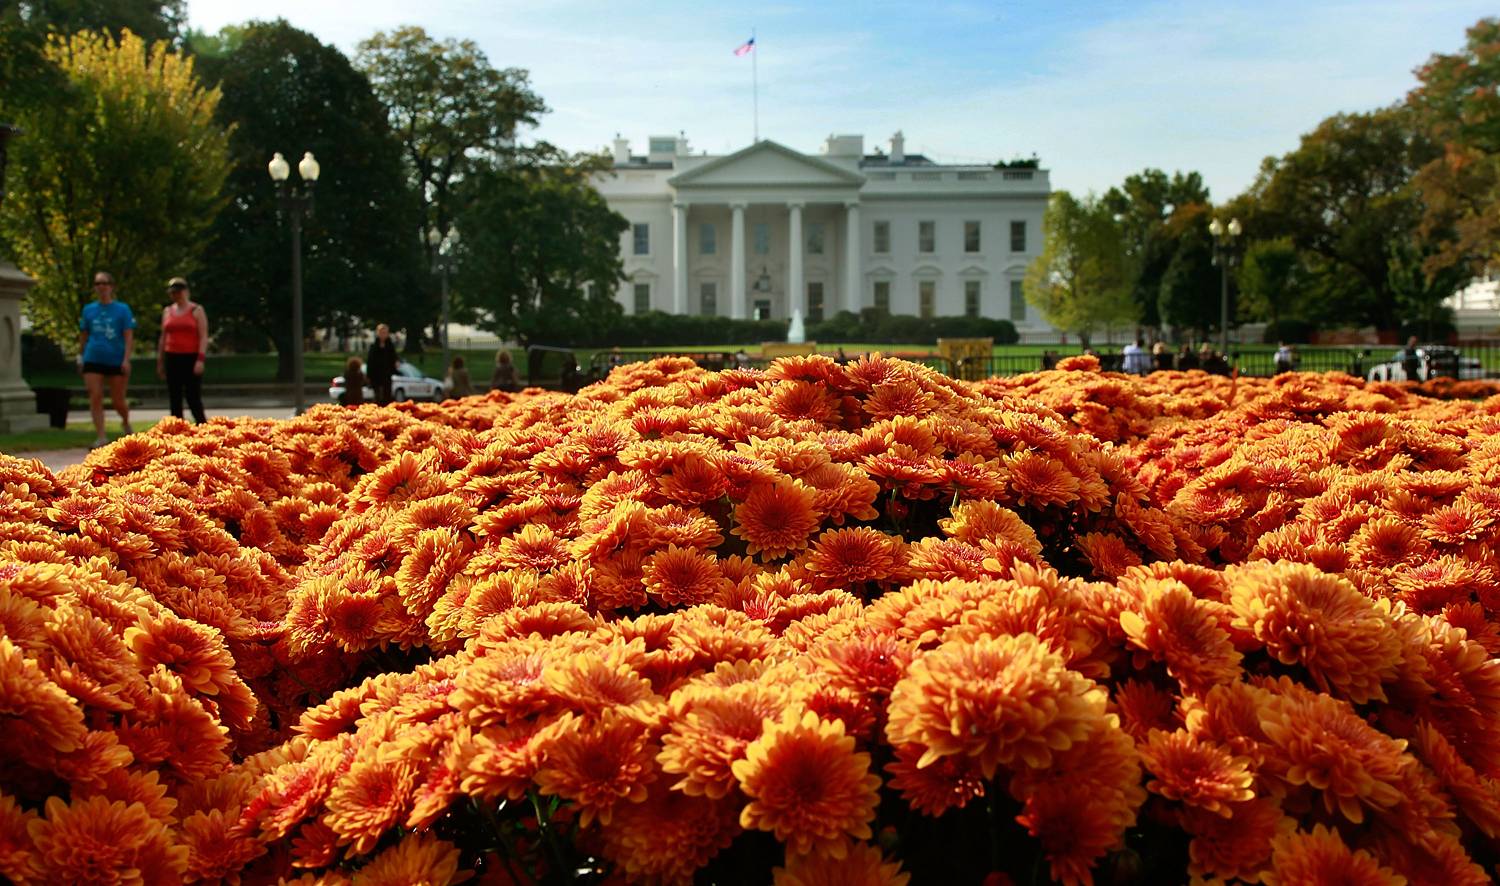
57	459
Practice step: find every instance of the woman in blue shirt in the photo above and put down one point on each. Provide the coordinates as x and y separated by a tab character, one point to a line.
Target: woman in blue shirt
106	336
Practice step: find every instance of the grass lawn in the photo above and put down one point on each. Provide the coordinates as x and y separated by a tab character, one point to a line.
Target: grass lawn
77	437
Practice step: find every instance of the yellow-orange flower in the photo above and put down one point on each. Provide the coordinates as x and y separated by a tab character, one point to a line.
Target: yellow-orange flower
35	708
860	865
682	576
94	840
1039	481
807	785
417	860
1174	627
1321	622
599	764
846	558
1196	772
1004	700
710	731
1322	856
776	518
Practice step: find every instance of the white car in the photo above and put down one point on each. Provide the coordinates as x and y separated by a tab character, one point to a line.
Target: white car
407	384
1433	363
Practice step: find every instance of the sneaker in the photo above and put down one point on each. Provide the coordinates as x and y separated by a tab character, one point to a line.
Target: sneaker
126	428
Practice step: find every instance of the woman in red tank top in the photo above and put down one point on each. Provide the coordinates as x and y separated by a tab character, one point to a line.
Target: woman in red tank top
180	349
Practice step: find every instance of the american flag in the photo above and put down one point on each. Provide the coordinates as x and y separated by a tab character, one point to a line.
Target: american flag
747	48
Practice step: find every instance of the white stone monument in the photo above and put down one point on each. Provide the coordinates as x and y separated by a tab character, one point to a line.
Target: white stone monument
17	401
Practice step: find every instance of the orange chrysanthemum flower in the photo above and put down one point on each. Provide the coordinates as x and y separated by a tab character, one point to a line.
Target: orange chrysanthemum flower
776	518
670	835
949	783
1174	627
373	796
595	679
1320	742
96	840
1321	856
15	841
807	785
1005	700
1039	481
36	709
1108	556
1238	845
710	731
1343	638
534	547
1386	541
1196	772
417	860
859	865
599	764
682	576
847	558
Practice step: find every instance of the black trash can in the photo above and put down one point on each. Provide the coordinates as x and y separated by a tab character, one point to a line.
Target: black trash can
54	402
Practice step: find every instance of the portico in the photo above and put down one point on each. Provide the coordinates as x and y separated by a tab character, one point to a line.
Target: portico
767	231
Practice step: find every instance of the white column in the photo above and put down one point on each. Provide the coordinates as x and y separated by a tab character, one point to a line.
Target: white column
796	297
853	259
679	259
737	263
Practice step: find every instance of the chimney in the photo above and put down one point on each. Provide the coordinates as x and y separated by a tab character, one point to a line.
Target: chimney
898	148
622	150
682	144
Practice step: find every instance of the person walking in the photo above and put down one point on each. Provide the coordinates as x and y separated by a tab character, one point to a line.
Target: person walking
182	348
380	364
1285	359
1411	361
106	336
458	383
504	376
1136	360
354	384
1161	358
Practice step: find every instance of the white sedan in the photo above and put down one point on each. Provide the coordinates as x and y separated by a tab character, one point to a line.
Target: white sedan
407	384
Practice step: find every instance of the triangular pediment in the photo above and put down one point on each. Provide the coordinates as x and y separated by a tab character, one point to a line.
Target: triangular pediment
766	163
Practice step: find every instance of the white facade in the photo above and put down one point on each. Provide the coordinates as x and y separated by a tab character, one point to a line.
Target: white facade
768	230
1476	307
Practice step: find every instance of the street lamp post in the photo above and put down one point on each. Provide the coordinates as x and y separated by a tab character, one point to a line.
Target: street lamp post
296	203
1224	237
444	244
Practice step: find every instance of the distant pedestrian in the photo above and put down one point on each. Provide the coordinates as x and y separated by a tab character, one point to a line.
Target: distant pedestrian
1136	361
458	383
1186	359
106	336
1161	358
1285	358
741	359
380	364
1049	359
354	384
181	349
504	376
1411	361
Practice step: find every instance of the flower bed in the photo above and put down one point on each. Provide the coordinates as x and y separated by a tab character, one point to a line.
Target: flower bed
813	624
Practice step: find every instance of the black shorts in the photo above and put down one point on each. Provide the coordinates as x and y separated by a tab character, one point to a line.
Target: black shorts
102	368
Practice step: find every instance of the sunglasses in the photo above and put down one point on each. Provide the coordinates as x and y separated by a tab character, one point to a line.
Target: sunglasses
103	283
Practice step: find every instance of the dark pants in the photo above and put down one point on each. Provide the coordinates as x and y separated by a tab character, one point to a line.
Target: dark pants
181	379
382	389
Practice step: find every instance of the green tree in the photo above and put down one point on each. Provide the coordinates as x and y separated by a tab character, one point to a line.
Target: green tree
286	91
540	256
1191	287
1081	281
1270	279
1343	198
1143	205
452	110
123	172
150	20
1458	102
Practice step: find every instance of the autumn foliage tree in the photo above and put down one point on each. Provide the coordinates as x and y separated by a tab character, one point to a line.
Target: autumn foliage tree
124	170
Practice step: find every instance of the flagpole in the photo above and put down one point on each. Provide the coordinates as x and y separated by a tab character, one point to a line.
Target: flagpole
755	84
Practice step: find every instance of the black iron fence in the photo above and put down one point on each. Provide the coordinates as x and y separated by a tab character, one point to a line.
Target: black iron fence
1466	360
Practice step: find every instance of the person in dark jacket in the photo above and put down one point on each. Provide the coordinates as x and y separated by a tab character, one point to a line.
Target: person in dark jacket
354	384
380	364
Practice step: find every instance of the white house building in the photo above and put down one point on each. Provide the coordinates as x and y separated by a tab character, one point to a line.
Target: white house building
768	230
1476	307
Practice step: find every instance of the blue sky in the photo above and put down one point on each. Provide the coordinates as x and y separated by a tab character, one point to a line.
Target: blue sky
1098	90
